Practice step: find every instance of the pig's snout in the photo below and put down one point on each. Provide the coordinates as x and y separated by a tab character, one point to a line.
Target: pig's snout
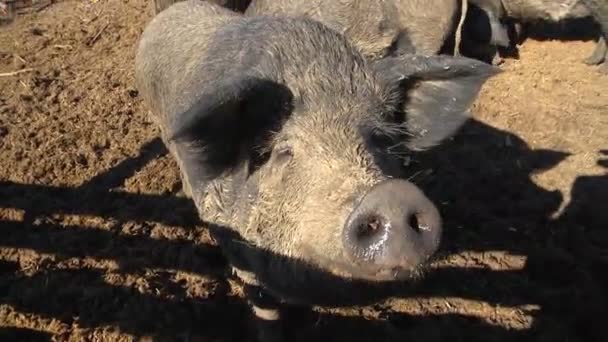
392	230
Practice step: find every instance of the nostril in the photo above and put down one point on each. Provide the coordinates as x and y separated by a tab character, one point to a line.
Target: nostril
392	229
417	222
368	227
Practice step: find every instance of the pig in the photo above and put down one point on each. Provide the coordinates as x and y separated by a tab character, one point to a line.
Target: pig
524	11
290	144
485	31
235	5
599	12
495	13
376	28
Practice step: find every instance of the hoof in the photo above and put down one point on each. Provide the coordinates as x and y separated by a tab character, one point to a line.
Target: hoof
593	60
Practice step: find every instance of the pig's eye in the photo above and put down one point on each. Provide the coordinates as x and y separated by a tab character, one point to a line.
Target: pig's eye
282	155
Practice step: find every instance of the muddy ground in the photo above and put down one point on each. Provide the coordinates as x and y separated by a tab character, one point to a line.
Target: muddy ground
98	244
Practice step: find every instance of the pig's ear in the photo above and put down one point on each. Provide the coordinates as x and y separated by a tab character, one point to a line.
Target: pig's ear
435	93
223	128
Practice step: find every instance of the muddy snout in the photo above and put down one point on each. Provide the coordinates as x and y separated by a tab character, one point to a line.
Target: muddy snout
392	230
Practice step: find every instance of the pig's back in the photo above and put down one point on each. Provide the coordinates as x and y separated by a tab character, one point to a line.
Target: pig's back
170	49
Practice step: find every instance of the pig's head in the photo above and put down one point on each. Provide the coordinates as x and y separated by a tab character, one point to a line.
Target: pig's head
300	151
488	16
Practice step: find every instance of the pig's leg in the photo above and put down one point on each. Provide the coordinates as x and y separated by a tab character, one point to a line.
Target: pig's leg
500	32
497	59
599	12
604	67
520	31
599	54
264	307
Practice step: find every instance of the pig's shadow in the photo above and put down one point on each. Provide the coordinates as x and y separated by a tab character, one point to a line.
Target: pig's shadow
576	29
481	180
582	230
566	30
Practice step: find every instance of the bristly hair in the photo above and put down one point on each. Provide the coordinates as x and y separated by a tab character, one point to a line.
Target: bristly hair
388	127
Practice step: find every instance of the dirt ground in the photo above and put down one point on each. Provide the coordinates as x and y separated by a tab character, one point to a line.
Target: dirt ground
98	244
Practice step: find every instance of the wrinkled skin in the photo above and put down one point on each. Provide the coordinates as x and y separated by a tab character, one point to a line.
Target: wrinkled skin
287	139
599	12
376	28
525	11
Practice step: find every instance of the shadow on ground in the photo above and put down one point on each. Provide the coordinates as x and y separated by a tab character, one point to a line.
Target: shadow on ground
584	29
480	180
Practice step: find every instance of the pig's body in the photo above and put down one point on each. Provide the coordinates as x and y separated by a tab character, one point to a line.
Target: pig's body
427	24
495	13
550	10
235	5
288	139
376	28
